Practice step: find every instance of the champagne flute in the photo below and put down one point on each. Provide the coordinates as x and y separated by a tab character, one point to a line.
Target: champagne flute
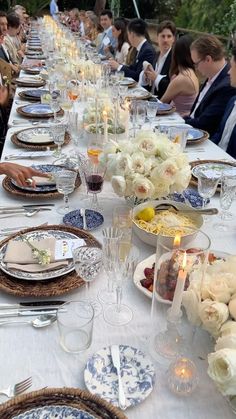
227	195
65	183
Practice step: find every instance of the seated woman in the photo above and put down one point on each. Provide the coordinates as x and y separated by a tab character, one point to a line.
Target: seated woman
74	20
119	32
184	86
93	29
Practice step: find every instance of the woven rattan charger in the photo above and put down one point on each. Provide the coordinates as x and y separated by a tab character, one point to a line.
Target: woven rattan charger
204	137
71	397
37	147
52	287
37	116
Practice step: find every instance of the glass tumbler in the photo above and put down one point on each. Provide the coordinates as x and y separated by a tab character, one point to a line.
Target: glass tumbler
75	324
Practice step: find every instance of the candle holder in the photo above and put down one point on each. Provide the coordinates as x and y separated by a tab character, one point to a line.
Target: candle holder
182	376
170	343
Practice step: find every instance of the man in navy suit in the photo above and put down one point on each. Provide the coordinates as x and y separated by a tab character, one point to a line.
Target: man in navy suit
208	55
137	29
157	77
225	137
107	37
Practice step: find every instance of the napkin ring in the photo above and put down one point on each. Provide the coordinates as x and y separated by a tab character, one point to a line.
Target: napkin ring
29	181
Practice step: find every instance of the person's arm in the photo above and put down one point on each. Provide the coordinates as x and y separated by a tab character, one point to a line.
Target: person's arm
134	70
3	95
174	89
20	173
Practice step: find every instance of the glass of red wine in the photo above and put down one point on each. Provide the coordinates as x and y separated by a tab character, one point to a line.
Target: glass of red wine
94	177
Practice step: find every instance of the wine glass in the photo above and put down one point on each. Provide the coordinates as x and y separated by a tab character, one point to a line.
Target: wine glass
73	90
152	111
94	149
227	195
65	183
65	101
58	133
88	264
141	112
119	314
54	105
94	177
207	185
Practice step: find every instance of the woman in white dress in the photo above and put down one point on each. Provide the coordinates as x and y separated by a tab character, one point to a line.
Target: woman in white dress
119	32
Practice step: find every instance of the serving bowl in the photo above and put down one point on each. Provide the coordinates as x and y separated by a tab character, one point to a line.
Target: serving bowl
151	238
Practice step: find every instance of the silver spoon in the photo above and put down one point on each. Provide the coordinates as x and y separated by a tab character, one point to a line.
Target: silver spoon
43	320
30	213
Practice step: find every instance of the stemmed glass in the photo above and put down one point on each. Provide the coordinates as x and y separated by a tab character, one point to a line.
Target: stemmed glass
227	195
54	105
152	111
119	314
94	148
65	183
94	177
206	186
88	264
58	133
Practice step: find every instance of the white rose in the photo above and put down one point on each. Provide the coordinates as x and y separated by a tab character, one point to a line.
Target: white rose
119	185
166	171
222	369
143	188
218	289
230	278
138	162
143	135
190	302
168	150
124	164
182	179
232	308
228	328
227	341
147	146
213	314
111	165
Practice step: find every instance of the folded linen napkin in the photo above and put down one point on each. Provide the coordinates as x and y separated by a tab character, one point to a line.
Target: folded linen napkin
146	64
19	254
43	181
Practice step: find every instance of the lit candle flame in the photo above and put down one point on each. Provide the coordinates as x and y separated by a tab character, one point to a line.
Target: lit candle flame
177	241
104	114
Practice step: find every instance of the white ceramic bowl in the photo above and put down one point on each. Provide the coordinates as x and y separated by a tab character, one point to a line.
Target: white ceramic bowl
100	137
151	238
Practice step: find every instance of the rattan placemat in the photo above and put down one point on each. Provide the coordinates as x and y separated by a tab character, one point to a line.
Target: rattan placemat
194	180
204	137
43	116
71	397
52	287
37	147
172	110
22	193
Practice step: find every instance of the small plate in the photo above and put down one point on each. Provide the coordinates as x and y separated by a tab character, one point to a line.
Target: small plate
195	134
148	263
59	412
32	70
29	79
164	107
45	168
127	81
39	109
93	219
138	93
137	371
37	135
214	169
190	196
38	276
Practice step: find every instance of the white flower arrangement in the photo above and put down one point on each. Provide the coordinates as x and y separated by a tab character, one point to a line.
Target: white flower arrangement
211	304
148	166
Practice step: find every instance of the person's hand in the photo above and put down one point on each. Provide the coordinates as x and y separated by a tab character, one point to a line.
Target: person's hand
15	68
107	49
3	95
21	174
113	64
150	74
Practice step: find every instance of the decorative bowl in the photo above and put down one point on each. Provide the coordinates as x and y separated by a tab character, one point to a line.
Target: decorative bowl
91	132
151	238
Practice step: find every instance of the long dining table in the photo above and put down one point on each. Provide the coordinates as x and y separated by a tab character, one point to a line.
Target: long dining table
26	351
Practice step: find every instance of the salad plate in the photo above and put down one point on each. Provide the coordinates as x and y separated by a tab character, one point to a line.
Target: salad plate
195	134
32	70
190	196
38	276
93	219
137	371
58	412
138	93
127	81
36	135
34	94
38	110
214	168
50	187
164	107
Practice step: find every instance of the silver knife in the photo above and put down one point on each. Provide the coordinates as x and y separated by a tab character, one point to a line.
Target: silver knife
25	206
29	305
22	210
115	356
19	313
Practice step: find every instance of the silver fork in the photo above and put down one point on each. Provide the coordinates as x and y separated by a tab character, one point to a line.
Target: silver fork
18	388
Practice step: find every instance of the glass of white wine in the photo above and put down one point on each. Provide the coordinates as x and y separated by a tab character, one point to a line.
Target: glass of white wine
122	219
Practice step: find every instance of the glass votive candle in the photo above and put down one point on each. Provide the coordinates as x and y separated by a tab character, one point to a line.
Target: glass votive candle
182	376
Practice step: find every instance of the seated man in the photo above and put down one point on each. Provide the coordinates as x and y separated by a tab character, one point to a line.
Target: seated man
9	40
137	28
225	137
4	54
207	54
157	78
107	37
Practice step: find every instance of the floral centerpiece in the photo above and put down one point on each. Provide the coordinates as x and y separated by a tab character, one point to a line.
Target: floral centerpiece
211	304
148	167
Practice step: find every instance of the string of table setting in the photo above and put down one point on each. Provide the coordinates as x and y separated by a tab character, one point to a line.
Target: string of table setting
94	133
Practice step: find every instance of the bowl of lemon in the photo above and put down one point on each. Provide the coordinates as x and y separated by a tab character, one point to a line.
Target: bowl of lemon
176	218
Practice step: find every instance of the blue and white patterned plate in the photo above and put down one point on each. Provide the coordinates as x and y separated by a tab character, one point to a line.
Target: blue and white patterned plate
38	276
127	81
45	168
36	135
164	107
35	93
195	134
214	169
93	219
41	109
55	412
189	196
137	371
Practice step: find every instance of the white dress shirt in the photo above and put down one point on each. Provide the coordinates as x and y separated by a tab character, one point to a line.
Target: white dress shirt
204	91
228	129
158	67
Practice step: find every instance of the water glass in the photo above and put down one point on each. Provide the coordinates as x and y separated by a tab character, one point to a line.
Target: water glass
207	186
179	135
58	133
141	113
152	111
55	107
75	324
65	183
227	195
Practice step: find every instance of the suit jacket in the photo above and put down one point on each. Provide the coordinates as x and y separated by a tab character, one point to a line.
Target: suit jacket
163	84
146	53
3	55
209	112
231	149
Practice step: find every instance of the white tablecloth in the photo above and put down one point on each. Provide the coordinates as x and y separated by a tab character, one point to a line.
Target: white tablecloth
26	351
